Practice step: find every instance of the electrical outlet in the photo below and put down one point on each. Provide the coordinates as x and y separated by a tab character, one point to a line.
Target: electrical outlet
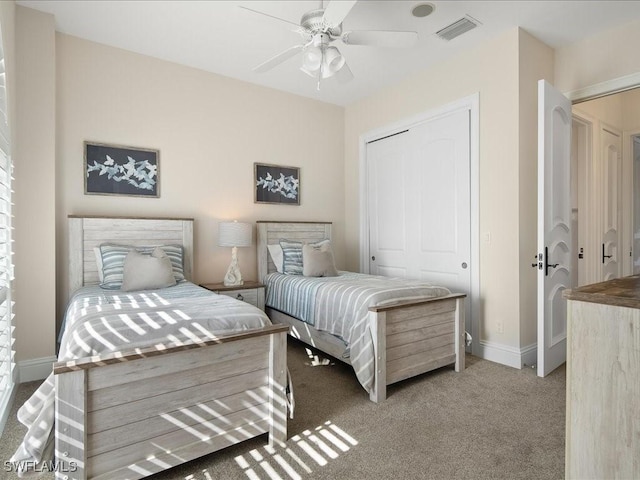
500	327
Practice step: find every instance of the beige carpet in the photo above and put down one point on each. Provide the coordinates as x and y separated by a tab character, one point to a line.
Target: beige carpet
488	422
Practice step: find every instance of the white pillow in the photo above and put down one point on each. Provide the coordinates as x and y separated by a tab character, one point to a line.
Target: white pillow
277	256
317	260
145	272
98	255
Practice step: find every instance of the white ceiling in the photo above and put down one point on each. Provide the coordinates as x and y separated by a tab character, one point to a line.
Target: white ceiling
220	37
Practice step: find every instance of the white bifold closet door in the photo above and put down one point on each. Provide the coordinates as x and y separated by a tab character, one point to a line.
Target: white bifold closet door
419	203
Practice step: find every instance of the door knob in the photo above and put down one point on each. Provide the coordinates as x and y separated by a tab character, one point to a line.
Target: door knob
373	257
464	264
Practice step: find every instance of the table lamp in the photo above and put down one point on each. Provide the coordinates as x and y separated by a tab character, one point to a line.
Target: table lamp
234	234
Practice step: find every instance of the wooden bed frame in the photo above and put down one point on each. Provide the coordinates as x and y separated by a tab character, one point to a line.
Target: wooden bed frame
410	337
135	413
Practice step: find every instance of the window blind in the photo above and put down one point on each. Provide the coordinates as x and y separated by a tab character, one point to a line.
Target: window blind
7	362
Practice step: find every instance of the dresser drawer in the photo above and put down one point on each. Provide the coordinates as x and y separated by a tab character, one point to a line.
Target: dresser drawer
245	295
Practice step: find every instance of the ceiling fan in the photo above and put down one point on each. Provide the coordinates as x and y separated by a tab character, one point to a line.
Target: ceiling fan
319	29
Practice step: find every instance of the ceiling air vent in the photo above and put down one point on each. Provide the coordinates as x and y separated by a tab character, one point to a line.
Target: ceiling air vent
458	28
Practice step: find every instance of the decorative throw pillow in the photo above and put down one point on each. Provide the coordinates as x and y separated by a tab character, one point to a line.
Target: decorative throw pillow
318	261
113	256
113	264
145	272
176	256
291	257
277	256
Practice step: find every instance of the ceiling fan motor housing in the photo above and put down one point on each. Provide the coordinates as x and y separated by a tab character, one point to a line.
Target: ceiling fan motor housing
313	22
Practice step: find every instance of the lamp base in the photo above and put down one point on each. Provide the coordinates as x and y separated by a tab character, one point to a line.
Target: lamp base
233	277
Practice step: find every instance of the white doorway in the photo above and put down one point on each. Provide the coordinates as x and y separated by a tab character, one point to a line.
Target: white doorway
419	195
602	181
611	203
581	161
635	160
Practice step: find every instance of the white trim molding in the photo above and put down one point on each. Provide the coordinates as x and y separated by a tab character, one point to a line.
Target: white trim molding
608	87
507	355
35	369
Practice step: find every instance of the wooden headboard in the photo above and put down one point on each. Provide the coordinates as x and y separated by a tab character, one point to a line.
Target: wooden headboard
270	233
86	233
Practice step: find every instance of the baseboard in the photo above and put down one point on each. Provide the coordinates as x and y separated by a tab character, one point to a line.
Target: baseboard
529	355
35	369
506	355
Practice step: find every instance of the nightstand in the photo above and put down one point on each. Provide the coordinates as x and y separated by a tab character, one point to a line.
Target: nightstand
250	292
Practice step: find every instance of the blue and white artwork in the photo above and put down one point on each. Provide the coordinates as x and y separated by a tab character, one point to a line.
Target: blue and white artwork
277	184
115	170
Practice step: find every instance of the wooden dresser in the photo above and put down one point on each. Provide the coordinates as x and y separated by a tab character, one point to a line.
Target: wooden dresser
603	380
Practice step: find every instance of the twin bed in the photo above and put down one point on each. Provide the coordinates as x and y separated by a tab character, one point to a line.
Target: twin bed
146	407
215	375
402	328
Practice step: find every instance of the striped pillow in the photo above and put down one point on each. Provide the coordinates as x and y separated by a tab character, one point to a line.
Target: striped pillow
292	257
113	257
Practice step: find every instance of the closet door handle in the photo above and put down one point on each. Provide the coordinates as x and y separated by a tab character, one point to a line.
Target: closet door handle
603	255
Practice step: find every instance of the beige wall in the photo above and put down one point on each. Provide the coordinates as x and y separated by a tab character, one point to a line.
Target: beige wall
535	63
34	185
209	130
492	70
606	56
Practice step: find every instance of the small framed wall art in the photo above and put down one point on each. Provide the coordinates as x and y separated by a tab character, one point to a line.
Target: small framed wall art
120	170
276	184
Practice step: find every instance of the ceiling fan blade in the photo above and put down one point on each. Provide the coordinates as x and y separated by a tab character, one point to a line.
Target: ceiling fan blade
278	59
344	75
380	38
336	11
270	16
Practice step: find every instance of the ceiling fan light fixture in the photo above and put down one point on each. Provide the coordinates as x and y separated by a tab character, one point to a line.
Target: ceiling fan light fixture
312	58
333	61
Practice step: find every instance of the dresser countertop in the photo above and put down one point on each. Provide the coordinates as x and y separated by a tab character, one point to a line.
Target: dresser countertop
621	292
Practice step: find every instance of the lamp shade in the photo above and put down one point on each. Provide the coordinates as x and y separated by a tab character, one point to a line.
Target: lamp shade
333	61
234	234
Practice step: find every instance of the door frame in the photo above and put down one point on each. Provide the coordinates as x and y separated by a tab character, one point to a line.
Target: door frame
470	103
586	270
628	176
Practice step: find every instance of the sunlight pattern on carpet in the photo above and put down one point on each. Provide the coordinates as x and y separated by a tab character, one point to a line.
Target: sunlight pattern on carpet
302	454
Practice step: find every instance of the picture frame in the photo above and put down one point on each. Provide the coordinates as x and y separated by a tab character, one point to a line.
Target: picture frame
121	170
276	184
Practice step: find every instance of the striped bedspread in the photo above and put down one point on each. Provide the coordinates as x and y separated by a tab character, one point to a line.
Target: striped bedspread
103	321
340	305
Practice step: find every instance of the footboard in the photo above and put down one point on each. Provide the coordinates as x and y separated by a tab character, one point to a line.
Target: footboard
131	415
415	337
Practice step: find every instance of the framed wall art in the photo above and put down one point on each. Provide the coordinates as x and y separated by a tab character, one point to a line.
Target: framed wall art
276	184
120	170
